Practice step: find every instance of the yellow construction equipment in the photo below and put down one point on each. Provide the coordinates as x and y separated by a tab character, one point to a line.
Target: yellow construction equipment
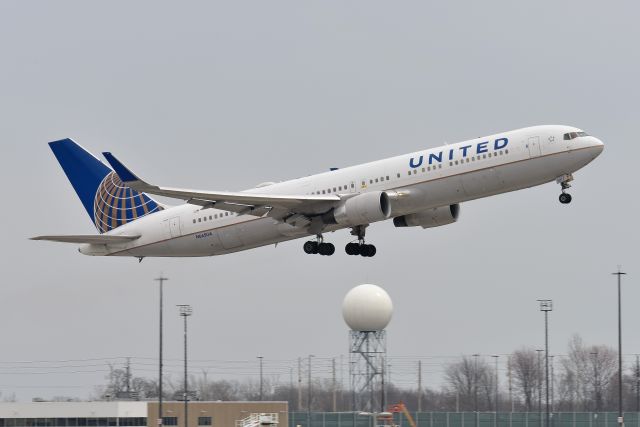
401	408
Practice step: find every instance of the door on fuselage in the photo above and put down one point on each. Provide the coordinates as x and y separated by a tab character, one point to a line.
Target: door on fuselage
533	144
174	227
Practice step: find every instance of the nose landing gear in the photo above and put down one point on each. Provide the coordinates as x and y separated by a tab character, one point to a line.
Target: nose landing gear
564	181
565	198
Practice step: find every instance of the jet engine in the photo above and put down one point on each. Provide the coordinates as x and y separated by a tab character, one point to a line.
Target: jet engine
435	217
362	209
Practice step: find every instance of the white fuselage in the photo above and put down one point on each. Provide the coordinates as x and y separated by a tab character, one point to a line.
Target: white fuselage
426	179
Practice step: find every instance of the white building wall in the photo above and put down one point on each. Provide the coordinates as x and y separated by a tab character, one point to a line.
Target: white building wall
73	409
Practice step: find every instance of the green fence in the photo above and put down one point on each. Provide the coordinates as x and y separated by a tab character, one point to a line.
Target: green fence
466	419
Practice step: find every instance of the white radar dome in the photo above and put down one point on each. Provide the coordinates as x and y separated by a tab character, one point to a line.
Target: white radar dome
367	308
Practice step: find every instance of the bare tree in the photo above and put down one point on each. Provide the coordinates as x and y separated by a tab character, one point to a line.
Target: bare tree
526	375
468	377
587	375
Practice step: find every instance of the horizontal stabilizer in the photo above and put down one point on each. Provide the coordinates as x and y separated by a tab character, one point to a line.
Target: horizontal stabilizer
94	239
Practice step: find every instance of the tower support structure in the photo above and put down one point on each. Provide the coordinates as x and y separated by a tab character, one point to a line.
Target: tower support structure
367	357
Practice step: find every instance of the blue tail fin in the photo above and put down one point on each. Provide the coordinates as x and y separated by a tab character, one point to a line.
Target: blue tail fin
106	199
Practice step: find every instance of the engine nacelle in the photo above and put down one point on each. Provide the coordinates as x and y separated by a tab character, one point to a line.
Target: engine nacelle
362	209
435	217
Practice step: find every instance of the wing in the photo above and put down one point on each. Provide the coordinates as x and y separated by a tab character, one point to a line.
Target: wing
241	202
95	239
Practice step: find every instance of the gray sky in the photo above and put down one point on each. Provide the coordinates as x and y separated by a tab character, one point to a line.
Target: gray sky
229	94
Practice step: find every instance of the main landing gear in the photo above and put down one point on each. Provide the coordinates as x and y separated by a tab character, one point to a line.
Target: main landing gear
564	181
319	247
360	248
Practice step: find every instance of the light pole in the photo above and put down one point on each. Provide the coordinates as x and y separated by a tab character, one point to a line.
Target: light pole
160	281
620	416
546	305
260	359
495	418
185	311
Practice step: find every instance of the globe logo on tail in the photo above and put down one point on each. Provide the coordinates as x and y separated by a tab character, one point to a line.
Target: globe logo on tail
116	204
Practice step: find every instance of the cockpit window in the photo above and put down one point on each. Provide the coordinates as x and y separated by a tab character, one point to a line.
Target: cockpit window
572	135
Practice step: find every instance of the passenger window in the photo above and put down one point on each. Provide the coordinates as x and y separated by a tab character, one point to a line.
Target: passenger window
210	217
199	219
194	220
334	189
398	175
484	156
415	171
328	190
226	214
409	173
376	179
352	185
324	191
204	219
467	160
439	166
364	183
387	177
506	151
489	154
450	163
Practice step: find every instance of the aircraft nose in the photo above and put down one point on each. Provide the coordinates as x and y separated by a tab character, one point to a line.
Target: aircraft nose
597	146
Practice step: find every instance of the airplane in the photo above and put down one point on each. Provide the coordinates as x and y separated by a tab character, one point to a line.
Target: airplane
420	189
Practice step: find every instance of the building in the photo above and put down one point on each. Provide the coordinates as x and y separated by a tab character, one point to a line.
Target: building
135	414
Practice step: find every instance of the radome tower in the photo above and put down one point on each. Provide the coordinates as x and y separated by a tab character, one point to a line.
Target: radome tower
367	310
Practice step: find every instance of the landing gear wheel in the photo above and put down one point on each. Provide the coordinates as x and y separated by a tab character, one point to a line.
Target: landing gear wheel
565	198
367	250
310	247
352	249
326	249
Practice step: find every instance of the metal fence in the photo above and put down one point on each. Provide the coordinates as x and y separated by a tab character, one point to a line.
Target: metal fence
467	419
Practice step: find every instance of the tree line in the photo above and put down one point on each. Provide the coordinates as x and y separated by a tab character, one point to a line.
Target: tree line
583	380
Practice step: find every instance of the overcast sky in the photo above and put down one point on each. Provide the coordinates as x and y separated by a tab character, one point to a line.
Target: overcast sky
224	95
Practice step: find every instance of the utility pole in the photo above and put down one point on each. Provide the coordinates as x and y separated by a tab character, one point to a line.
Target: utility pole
620	415
260	359
495	418
553	381
185	312
510	384
596	381
419	385
333	384
299	384
540	386
637	383
160	281
309	391
475	388
128	378
546	305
